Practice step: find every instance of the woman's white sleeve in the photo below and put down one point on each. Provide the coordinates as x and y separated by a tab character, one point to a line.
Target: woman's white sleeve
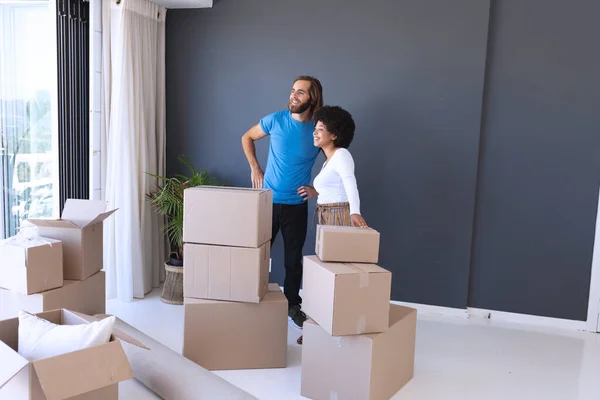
345	168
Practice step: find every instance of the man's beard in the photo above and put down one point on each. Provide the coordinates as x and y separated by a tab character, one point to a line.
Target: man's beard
300	108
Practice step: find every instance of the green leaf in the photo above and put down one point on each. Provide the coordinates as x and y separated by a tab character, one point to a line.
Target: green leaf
167	199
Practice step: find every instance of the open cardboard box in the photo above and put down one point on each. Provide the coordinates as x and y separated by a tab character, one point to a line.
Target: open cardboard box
80	230
88	374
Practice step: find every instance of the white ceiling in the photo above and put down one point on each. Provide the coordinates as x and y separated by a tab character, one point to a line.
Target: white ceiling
185	3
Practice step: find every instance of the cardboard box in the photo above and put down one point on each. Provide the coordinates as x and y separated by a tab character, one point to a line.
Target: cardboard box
347	244
227	216
80	230
92	373
346	298
31	265
363	367
226	273
87	297
222	335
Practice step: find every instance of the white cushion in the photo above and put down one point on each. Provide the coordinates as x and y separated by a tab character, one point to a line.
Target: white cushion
39	338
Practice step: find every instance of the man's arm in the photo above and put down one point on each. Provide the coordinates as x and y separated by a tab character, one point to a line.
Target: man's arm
248	139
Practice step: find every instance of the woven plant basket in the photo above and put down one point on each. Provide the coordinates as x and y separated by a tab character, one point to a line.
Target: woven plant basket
173	289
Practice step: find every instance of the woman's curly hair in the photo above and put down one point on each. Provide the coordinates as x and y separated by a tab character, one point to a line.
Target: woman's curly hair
339	122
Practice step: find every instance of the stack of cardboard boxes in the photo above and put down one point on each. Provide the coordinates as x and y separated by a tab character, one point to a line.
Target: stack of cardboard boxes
356	344
58	268
234	319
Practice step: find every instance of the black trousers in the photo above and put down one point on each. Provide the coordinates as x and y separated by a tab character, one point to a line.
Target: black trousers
292	221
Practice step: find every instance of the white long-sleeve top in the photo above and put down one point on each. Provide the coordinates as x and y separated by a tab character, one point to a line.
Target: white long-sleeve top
336	182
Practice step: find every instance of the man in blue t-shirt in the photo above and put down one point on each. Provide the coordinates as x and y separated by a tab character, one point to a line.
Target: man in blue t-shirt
292	154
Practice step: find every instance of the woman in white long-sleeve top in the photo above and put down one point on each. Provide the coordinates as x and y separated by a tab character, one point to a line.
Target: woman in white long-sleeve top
335	187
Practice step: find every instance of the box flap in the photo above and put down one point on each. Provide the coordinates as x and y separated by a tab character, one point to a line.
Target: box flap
349	229
367	268
101	217
82	212
85	317
12	363
337	268
126	338
274	287
116	334
273	295
228	188
82	371
52	223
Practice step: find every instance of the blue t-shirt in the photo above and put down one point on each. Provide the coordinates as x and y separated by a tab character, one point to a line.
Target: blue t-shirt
292	155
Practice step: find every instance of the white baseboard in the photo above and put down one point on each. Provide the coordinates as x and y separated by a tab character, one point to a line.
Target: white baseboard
427	309
528	319
501	316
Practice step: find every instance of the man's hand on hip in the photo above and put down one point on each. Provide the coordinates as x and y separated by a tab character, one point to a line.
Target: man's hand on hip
307	192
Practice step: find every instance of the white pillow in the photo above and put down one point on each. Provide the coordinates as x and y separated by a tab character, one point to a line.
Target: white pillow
39	338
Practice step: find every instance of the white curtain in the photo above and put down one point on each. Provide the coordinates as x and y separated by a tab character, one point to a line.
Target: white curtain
133	125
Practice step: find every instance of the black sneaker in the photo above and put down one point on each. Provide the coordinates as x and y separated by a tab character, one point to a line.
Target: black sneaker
297	316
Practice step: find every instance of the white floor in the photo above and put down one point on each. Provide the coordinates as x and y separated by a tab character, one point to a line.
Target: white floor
455	359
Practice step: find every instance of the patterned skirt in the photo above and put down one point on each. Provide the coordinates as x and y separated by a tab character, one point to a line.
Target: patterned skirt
333	214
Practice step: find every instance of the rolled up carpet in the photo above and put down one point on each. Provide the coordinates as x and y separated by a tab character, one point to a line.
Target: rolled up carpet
172	376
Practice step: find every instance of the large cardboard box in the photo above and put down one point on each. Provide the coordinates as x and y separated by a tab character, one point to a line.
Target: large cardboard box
80	230
88	374
31	265
87	297
226	273
347	244
227	216
222	335
346	298
363	367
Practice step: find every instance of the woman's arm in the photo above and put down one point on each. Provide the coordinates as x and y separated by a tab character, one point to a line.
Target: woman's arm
345	169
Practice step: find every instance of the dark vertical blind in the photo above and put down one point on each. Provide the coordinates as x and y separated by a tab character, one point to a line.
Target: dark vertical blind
73	99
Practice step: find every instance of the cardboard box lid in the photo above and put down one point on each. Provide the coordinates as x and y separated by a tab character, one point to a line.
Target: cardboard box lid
337	268
28	242
77	214
348	229
12	363
52	223
78	372
397	314
243	190
82	371
272	296
116	334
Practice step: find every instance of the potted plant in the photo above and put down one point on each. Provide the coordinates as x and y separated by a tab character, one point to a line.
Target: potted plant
167	200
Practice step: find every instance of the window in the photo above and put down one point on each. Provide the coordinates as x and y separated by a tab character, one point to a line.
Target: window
28	107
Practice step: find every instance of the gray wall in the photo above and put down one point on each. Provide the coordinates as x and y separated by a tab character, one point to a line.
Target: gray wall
413	73
410	72
540	159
